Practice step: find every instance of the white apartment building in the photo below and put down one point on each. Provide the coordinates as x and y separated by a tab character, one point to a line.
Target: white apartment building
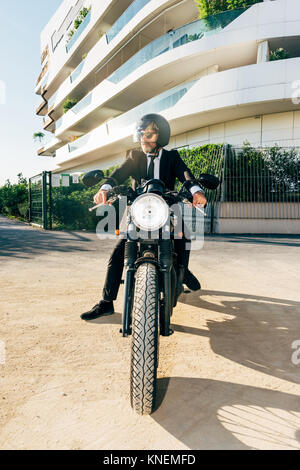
212	79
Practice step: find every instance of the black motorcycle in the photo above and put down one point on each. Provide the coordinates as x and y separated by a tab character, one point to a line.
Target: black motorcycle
153	276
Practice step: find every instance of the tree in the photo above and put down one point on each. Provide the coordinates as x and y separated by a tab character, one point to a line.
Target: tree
38	136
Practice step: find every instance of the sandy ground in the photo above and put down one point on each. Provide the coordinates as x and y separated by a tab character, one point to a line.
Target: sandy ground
226	377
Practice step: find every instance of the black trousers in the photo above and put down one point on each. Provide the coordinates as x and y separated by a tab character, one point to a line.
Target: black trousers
116	264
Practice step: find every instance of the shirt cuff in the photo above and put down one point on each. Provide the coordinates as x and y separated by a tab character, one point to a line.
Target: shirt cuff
106	187
196	188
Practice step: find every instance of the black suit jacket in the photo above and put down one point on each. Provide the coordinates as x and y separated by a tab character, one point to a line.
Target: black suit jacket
171	167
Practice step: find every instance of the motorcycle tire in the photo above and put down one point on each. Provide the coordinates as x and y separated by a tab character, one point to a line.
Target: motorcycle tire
145	337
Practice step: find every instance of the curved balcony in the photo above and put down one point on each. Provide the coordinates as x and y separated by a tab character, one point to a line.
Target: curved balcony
258	89
157	50
176	38
124	19
78	31
79	81
157	104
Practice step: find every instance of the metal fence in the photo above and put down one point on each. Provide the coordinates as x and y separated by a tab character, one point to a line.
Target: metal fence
256	183
211	161
260	183
40	200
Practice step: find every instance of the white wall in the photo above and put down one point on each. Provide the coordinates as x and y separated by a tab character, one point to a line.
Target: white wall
265	130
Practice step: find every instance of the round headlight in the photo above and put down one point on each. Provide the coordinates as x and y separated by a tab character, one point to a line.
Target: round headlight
149	212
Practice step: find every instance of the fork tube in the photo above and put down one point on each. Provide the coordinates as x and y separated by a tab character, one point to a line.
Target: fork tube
165	259
130	257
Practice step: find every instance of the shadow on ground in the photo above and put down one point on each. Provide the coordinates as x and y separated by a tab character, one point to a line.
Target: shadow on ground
210	414
258	332
20	240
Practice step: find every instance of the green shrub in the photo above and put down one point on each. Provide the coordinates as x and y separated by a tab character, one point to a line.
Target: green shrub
279	54
77	22
69	104
213	7
14	199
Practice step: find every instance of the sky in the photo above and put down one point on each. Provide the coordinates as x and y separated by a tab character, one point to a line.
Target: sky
21	25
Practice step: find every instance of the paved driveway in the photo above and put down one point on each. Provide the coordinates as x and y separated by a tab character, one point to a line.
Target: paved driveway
226	377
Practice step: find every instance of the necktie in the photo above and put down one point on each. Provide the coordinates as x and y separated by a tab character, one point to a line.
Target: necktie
150	173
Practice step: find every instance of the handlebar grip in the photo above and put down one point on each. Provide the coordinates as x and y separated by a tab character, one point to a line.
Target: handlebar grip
110	193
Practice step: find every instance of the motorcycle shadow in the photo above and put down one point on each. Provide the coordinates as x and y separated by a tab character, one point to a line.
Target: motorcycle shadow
255	331
212	414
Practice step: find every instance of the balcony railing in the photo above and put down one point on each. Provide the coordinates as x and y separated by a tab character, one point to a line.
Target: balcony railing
51	102
77	72
165	100
176	38
124	19
82	104
78	32
78	143
159	103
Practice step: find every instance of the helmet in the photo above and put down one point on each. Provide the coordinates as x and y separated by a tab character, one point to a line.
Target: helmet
162	124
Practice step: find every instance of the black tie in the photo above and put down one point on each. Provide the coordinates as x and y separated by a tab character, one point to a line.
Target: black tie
150	174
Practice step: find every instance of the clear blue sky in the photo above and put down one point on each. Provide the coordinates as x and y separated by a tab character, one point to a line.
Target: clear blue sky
21	25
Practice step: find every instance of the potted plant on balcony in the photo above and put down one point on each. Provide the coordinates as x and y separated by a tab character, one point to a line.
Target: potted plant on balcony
279	54
78	20
213	7
68	104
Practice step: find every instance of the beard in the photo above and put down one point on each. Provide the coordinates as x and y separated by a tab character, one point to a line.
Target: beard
148	147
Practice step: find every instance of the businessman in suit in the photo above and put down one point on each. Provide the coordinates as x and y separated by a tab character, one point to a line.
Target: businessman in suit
153	161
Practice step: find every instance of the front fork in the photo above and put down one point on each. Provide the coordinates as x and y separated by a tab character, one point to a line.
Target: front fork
129	260
165	260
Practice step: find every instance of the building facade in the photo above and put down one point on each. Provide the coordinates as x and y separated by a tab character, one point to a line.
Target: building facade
211	78
105	64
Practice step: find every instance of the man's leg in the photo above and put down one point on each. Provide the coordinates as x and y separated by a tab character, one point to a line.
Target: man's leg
183	254
114	271
111	285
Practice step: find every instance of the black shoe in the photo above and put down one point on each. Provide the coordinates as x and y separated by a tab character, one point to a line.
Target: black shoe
191	281
99	310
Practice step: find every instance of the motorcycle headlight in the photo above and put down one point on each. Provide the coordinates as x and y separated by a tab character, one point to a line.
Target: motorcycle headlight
149	212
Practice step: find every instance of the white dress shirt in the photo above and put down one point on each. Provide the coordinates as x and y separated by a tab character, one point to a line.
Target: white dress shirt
193	189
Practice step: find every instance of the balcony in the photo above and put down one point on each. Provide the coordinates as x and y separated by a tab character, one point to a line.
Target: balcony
176	38
124	19
47	121
78	32
213	99
51	102
86	101
77	71
41	110
113	96
157	104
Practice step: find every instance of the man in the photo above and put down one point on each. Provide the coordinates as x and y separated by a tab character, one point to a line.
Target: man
153	133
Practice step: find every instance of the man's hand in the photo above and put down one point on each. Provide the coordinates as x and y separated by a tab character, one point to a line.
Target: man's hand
199	199
100	197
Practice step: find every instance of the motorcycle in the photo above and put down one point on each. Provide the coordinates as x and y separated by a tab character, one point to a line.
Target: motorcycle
153	276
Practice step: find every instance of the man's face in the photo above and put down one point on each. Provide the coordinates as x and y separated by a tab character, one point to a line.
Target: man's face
149	139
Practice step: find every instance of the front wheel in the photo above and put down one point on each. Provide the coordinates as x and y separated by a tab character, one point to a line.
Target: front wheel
144	346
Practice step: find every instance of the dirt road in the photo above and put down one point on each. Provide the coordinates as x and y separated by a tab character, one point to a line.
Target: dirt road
226	377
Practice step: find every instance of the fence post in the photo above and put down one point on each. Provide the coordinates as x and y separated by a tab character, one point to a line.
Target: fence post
223	187
44	200
50	199
30	199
